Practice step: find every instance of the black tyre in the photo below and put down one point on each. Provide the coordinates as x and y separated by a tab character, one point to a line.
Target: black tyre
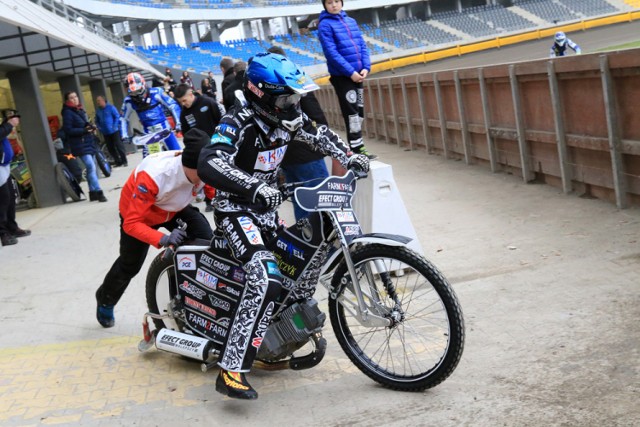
68	183
422	341
103	163
161	290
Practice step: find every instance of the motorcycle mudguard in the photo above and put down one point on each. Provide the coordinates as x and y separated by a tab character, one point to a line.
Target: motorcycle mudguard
378	238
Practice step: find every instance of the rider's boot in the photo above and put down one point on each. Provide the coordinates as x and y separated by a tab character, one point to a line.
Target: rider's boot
235	385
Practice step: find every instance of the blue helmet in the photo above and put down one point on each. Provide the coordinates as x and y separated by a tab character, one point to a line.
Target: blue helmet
560	38
273	85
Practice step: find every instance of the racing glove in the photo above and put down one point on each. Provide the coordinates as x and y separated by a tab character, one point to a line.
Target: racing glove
358	162
269	197
176	237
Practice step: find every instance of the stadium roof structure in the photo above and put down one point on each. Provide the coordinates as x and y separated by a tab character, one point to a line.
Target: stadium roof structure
32	36
182	14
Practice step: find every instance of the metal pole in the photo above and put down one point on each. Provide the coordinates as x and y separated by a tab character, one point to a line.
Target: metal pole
423	115
463	119
525	159
561	139
486	110
617	165
407	113
443	121
384	116
396	122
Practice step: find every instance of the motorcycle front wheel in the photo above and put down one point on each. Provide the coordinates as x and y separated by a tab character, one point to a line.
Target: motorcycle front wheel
161	291
412	336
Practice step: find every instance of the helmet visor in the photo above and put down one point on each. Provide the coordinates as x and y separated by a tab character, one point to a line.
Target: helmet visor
285	102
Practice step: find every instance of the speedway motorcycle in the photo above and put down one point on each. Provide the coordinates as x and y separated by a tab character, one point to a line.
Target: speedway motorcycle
393	313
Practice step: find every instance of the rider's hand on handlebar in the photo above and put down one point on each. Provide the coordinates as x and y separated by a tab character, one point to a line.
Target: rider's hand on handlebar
269	197
359	162
176	237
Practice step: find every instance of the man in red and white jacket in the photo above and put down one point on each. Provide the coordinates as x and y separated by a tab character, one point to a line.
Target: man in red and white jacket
158	193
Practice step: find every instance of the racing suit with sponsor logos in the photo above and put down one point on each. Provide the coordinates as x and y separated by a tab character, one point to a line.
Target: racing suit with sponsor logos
244	155
156	195
151	114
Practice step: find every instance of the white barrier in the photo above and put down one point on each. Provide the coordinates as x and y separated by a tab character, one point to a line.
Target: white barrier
380	208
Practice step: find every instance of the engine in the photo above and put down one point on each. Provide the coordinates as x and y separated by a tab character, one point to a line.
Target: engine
291	330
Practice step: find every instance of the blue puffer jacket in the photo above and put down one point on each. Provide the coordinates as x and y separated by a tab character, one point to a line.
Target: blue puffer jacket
108	119
343	44
74	122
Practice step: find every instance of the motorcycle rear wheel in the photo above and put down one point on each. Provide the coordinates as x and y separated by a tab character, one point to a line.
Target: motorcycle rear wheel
161	290
423	344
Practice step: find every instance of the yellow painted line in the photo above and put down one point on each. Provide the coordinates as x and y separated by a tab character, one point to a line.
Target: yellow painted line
64	382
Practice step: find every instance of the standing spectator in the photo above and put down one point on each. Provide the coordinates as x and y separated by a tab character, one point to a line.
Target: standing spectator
199	112
108	122
157	194
348	64
214	85
186	79
81	139
170	82
300	162
226	66
560	44
9	230
228	95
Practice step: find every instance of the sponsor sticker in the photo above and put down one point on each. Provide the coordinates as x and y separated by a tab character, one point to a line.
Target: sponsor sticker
207	279
270	159
186	262
238	275
250	230
220	303
351	230
206	324
290	249
345	216
220	139
142	189
200	306
192	289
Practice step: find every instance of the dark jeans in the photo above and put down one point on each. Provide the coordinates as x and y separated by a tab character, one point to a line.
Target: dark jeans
133	253
8	223
116	148
315	170
351	99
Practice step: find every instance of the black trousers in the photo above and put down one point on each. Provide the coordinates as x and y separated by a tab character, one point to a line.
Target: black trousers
133	253
7	208
116	148
351	98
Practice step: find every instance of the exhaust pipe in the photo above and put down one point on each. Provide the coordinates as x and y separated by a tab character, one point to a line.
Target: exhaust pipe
184	344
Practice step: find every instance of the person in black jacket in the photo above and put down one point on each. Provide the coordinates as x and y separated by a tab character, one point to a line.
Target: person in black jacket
226	66
199	112
301	163
80	136
228	95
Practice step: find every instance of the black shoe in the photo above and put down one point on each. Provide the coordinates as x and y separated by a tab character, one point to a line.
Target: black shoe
208	208
235	385
97	196
19	232
8	239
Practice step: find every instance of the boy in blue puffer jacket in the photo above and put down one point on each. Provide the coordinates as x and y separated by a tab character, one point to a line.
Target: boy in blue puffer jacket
348	64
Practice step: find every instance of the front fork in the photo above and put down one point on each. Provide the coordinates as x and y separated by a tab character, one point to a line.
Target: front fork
363	314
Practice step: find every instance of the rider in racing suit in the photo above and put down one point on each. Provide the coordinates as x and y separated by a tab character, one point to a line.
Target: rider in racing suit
242	162
560	44
149	104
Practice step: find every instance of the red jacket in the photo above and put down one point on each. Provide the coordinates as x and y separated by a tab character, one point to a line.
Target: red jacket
156	190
